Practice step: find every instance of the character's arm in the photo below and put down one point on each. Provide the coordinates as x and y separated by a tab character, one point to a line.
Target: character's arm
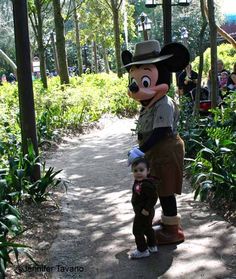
157	135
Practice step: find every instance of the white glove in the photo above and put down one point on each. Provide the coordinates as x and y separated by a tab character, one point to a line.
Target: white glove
133	154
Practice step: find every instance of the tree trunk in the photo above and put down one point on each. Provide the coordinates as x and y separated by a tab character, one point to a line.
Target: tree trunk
24	76
201	60
213	42
166	6
60	43
55	53
125	23
41	48
8	61
105	58
78	46
116	27
95	57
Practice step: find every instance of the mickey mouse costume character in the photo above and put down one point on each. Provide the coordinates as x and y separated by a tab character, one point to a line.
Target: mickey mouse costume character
149	80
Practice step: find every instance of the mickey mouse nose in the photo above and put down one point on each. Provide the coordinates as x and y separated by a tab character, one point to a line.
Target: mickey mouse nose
134	87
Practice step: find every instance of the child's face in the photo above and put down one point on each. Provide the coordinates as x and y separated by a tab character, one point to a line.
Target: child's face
140	171
223	75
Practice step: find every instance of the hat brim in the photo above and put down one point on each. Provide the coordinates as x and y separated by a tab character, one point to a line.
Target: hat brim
148	61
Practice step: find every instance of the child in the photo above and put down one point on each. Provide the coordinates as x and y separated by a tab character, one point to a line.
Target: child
223	80
144	198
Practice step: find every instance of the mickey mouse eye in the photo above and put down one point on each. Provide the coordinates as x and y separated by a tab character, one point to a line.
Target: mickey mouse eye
146	81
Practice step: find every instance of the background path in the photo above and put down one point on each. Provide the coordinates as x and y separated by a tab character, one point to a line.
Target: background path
96	227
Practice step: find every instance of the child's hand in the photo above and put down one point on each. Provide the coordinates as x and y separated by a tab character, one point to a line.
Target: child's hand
145	212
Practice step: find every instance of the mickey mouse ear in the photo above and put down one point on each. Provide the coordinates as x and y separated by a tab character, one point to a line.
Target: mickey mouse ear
126	57
180	58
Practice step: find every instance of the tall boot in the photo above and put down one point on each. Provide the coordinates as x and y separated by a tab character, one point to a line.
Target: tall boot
169	231
157	223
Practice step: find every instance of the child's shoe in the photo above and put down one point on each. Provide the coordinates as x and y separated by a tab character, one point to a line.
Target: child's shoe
136	254
153	249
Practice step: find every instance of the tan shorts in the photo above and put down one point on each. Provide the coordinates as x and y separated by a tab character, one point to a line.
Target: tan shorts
166	162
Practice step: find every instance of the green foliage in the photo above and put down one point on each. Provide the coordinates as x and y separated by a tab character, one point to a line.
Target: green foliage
40	190
171	92
211	152
9	228
59	109
17	183
84	101
225	52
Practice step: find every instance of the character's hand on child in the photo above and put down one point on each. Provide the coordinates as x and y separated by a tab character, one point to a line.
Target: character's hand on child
145	212
133	154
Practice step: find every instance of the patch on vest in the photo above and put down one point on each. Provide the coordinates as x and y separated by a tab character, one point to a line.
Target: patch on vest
138	189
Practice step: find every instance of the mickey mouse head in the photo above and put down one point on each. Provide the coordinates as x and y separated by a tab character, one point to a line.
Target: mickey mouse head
150	68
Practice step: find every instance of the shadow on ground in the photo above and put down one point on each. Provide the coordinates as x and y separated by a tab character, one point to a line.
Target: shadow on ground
95	233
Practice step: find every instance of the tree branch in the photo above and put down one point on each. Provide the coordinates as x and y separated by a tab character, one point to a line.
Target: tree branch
72	10
118	7
8	60
108	4
220	31
34	25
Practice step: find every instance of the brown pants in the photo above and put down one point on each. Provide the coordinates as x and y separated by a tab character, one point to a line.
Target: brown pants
166	162
142	226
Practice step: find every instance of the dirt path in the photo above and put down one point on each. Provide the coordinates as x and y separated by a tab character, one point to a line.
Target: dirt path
96	227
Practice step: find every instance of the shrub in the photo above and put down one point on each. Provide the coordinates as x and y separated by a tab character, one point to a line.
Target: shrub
58	108
225	52
211	152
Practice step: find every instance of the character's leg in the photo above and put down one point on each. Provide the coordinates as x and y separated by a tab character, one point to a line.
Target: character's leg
170	231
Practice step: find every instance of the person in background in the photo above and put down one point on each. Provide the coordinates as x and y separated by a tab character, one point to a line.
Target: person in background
220	67
223	79
231	84
187	81
209	81
177	82
11	78
4	78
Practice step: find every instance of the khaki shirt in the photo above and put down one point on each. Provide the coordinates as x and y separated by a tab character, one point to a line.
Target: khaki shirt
163	114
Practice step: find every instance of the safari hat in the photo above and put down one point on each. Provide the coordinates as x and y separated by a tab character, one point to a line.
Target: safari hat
175	56
147	52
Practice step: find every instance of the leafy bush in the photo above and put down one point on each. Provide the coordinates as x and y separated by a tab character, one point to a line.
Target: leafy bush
211	152
57	109
225	52
9	228
214	168
17	183
62	108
